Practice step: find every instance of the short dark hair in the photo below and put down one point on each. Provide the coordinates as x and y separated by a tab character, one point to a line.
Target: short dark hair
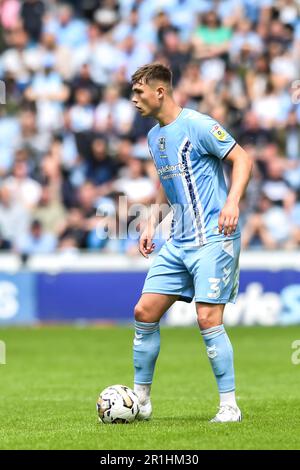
154	71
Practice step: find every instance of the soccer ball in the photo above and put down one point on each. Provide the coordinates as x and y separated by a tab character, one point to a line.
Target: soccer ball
117	404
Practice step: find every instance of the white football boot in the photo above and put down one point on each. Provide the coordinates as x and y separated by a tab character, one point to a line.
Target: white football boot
143	394
145	411
227	414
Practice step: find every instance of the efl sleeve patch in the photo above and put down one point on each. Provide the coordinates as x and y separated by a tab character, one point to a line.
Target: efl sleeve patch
218	132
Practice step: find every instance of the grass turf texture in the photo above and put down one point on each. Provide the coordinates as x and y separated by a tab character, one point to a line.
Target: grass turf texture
53	376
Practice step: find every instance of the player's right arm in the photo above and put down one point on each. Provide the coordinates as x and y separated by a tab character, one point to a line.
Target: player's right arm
146	245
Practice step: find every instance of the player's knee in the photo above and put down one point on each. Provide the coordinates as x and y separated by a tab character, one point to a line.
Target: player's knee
206	320
141	313
209	316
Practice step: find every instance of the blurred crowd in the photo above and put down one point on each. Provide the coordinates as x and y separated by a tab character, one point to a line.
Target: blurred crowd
71	143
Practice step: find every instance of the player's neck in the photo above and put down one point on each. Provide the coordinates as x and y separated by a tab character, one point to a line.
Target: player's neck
168	113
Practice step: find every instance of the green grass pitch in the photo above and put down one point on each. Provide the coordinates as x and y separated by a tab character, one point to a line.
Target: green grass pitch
53	376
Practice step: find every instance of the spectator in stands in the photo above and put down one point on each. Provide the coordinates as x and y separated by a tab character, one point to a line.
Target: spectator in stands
101	169
36	241
103	56
211	38
32	12
83	79
135	185
14	218
271	226
72	228
176	53
15	59
61	55
35	141
69	30
82	112
48	92
50	211
245	39
192	84
114	114
23	189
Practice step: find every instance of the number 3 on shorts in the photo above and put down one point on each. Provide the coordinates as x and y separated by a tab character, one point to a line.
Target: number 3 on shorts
214	288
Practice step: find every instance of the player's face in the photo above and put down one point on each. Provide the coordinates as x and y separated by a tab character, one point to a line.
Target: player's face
145	97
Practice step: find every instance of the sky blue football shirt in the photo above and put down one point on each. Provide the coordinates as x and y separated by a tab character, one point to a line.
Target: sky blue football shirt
187	154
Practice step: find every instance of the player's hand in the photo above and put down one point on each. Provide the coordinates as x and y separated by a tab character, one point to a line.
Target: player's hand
145	244
228	218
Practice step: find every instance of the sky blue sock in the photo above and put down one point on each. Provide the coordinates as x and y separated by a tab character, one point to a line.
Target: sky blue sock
220	354
146	345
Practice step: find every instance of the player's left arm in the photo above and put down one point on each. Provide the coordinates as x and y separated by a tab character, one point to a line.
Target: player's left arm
241	172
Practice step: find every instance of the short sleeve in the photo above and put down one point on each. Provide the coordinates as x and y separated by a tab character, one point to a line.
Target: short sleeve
215	140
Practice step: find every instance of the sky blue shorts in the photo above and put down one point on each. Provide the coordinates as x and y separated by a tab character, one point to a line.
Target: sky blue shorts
209	273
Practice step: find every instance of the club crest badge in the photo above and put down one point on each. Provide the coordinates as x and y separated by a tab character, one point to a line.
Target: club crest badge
162	144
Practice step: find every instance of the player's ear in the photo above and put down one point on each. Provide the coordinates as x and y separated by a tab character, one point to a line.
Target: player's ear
160	91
